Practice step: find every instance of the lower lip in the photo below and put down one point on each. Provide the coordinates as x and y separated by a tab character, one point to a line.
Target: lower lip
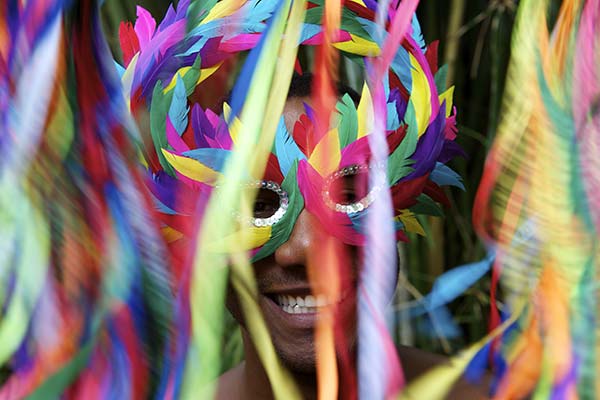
298	321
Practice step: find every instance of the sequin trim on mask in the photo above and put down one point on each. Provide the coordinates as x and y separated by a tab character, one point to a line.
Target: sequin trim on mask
278	214
354	207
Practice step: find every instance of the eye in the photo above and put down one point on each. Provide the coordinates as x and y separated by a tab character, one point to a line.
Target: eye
347	190
266	203
270	205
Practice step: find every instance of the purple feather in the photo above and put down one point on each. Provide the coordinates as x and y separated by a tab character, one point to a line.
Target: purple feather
428	147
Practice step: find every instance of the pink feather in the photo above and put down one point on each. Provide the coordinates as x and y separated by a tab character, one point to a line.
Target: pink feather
145	26
174	139
239	43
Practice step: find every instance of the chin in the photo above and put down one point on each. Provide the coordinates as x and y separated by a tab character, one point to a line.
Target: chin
301	360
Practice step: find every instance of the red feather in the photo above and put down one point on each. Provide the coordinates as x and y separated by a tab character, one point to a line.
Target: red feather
436	193
395	83
404	194
395	138
273	170
303	134
432	56
359	10
130	44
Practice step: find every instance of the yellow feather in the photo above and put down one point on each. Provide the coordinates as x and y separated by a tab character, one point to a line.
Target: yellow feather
127	79
204	74
191	168
141	159
181	72
411	223
365	113
170	234
235	126
242	240
420	95
359	2
223	9
359	46
447	97
326	156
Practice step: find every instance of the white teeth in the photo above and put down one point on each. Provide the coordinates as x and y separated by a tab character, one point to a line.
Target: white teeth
302	305
291	301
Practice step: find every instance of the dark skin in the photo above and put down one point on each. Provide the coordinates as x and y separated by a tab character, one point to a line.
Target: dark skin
286	272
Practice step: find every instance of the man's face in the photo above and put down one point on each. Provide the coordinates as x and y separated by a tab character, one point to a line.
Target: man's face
291	299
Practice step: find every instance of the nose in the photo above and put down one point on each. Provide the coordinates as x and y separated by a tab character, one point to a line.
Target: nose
303	239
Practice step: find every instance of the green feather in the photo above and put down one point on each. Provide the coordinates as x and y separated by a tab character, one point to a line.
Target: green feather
348	121
282	230
197	11
159	109
426	206
348	23
399	162
441	77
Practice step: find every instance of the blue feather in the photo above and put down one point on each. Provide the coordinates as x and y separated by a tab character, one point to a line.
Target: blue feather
238	94
376	32
179	109
452	284
286	149
444	175
161	207
211	157
120	69
402	68
417	35
309	31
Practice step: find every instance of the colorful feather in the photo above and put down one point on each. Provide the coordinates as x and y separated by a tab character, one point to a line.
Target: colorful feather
539	179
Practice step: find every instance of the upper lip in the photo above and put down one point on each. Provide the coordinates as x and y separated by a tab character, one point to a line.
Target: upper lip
302	290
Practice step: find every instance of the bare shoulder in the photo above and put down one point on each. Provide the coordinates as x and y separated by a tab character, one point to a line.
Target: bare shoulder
416	362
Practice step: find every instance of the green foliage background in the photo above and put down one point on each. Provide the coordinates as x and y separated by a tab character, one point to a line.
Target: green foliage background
474	40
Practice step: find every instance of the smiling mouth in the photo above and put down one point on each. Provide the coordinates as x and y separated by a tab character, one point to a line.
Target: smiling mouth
305	304
301	304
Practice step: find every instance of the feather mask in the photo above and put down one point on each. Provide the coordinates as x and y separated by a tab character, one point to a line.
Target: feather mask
190	147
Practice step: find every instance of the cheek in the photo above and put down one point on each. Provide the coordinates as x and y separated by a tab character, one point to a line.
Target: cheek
232	303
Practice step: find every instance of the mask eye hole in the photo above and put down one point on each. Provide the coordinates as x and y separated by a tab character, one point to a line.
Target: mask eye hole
266	203
270	205
347	190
